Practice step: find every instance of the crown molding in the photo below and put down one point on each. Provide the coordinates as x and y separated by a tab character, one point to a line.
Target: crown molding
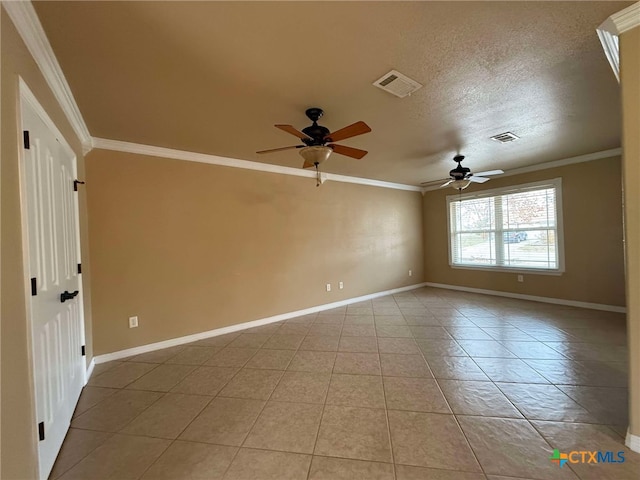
554	164
128	147
610	46
626	19
609	31
26	21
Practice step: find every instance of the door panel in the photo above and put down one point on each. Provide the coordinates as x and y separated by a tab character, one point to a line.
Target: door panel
56	327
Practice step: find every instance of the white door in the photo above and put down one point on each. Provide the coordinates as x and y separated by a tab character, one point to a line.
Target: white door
57	330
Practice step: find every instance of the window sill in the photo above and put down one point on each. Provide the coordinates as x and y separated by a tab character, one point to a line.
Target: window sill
528	271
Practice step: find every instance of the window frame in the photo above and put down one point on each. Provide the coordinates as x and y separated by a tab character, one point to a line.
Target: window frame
494	192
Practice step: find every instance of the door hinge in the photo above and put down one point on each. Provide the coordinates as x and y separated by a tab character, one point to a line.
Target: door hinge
75	185
41	431
84	352
79	268
25	135
34	287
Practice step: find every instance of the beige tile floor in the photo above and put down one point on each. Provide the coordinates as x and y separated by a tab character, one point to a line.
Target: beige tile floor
428	384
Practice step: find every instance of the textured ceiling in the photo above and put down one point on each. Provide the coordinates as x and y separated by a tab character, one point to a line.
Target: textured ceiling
214	77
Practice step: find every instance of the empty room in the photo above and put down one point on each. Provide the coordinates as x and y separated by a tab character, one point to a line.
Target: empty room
320	240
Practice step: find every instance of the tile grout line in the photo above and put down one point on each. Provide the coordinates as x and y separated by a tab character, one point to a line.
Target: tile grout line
386	407
173	441
324	404
455	418
239	447
267	401
208	403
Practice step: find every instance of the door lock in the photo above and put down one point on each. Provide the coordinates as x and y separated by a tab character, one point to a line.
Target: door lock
64	296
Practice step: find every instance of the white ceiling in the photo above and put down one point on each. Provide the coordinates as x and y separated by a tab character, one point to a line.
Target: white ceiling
214	77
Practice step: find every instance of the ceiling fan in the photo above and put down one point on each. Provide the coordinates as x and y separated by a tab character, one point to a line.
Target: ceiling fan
461	177
318	141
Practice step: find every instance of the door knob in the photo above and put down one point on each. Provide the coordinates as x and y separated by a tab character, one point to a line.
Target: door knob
64	296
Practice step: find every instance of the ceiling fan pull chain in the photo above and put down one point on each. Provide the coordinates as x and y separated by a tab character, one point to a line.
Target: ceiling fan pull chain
317	176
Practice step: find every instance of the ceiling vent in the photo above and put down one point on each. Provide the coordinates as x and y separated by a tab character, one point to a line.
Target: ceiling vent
398	84
505	137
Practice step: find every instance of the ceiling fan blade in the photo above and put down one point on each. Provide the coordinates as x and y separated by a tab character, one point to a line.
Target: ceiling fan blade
280	149
292	130
448	182
348	151
477	179
353	130
433	182
488	173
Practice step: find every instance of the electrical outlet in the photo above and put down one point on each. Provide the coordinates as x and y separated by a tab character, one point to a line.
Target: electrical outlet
133	322
328	287
341	285
521	278
410	273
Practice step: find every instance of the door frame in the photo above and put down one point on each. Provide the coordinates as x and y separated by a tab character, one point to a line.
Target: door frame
26	97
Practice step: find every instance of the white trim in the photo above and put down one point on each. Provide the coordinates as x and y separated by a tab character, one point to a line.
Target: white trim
533	298
128	147
626	19
28	24
27	95
525	271
633	442
610	46
89	371
609	31
24	94
554	164
107	357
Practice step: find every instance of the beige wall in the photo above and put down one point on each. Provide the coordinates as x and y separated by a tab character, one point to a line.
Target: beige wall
190	247
630	82
592	211
18	424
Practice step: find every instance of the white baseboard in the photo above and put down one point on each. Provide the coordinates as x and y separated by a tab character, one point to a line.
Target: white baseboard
107	357
89	371
533	298
633	442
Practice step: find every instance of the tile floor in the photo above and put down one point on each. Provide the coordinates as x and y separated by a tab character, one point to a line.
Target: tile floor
425	384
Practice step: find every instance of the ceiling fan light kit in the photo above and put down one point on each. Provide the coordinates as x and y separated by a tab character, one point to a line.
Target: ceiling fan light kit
460	184
314	155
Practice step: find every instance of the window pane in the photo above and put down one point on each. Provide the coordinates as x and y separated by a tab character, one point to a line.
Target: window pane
530	249
477	214
475	249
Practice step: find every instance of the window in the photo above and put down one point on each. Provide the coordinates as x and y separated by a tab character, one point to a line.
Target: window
514	228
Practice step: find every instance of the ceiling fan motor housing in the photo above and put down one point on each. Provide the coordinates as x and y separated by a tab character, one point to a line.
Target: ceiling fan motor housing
460	172
317	134
315	131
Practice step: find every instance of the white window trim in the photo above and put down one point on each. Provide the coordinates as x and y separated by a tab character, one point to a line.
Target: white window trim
555	182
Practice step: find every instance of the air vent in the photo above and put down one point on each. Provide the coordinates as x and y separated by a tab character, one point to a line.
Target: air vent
505	137
398	84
